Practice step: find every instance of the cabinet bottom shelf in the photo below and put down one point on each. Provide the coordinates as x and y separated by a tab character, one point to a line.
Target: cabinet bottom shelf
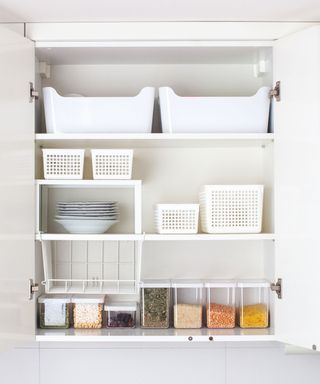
139	335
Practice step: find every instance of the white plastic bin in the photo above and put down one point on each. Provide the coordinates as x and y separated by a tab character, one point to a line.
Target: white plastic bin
214	114
63	163
113	164
176	218
98	114
231	208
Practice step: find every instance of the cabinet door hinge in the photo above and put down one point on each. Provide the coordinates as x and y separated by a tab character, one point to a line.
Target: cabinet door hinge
277	288
275	92
34	95
33	287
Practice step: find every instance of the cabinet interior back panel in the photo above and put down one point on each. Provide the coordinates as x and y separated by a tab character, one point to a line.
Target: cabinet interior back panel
206	260
176	175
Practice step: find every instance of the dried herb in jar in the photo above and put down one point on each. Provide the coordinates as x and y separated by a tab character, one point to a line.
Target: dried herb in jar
155	304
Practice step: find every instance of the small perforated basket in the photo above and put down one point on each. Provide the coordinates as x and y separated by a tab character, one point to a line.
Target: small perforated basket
231	208
63	163
176	218
112	163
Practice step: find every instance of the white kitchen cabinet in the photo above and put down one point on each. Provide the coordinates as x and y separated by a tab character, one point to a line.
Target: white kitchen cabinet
174	167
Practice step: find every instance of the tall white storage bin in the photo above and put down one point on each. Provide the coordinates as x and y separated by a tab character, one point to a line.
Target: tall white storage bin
214	114
98	114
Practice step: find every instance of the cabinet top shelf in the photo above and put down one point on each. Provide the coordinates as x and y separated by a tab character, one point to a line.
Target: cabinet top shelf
129	140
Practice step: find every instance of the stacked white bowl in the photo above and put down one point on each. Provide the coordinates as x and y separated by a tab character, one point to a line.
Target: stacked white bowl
92	217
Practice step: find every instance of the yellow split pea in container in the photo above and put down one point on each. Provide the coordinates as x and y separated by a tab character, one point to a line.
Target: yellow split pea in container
254	304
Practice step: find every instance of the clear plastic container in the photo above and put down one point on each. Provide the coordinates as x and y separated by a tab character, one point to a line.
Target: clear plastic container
87	311
54	311
221	304
188	303
155	304
254	304
121	315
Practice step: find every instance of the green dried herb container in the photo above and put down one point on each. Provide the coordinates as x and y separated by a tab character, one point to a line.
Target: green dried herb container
155	304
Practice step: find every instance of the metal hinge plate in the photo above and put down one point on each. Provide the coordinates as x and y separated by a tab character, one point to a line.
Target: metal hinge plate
34	95
275	92
277	288
33	288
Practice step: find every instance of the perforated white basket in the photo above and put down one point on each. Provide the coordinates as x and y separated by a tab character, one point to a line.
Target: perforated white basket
63	163
176	218
231	208
112	163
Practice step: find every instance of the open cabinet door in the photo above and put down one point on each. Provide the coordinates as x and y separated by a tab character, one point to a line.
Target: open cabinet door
297	188
17	312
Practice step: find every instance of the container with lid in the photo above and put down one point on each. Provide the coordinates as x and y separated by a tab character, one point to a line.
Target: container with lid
121	315
187	303
155	304
87	311
221	308
254	304
54	311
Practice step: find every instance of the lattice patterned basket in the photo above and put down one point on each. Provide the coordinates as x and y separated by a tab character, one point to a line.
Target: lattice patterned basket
63	163
176	218
231	208
112	163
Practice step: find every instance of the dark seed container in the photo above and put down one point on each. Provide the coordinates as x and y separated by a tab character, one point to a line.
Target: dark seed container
155	304
121	315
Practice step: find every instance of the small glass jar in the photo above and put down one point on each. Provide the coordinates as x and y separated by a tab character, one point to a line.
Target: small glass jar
188	303
54	311
121	315
155	304
221	304
87	311
254	304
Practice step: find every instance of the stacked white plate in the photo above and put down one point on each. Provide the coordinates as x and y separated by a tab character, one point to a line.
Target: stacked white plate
87	216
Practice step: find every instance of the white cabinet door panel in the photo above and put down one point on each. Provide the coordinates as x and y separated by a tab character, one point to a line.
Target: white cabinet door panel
17	319
142	365
20	365
297	187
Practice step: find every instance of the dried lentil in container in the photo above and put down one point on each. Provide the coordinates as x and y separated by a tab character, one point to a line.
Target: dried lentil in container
221	316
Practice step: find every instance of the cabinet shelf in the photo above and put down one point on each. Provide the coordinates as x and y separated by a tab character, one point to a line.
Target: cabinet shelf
157	237
90	183
136	140
139	335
